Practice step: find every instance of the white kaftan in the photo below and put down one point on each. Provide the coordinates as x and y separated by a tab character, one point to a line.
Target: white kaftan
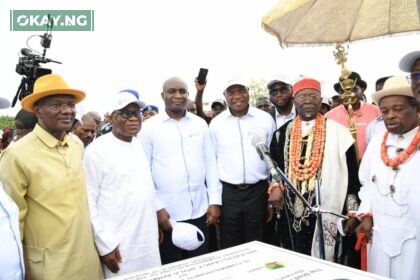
122	202
393	197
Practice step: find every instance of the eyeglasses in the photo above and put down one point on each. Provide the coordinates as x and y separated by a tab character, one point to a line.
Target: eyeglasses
310	97
127	114
413	77
282	89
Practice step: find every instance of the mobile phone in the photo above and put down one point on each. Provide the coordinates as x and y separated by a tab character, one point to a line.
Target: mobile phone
202	74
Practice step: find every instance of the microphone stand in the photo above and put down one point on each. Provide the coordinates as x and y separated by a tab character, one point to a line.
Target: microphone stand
316	209
319	221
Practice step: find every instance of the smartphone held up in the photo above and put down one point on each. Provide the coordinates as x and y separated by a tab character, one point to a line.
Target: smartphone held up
202	75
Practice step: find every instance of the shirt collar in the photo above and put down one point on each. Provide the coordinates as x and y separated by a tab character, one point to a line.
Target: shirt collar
48	139
307	127
401	141
165	117
250	113
291	114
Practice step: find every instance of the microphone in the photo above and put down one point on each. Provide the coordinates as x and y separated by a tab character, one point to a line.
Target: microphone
264	154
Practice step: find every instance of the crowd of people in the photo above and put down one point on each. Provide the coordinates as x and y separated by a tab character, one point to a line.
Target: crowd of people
86	198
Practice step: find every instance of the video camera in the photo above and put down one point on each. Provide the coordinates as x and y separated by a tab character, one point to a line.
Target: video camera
29	65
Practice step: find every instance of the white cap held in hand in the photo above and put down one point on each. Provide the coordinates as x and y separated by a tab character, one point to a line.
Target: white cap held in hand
186	236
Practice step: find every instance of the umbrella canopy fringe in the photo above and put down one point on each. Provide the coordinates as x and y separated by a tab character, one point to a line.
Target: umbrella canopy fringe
357	21
381	37
275	34
326	44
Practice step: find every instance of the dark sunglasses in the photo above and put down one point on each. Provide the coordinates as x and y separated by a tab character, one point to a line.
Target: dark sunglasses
413	77
127	114
282	89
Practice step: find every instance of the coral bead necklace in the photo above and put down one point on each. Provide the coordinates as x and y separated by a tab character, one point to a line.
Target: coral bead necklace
403	156
305	171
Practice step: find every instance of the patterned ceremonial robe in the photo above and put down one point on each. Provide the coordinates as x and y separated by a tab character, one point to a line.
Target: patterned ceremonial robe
338	185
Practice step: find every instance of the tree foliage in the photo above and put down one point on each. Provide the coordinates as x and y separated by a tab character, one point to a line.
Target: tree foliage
7	121
257	88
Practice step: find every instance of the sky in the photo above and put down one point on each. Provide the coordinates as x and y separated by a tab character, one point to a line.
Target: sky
140	44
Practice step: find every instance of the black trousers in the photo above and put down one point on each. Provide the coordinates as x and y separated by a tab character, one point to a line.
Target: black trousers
243	213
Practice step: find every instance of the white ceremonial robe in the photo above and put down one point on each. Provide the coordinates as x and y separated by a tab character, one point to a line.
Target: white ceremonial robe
122	202
395	248
333	187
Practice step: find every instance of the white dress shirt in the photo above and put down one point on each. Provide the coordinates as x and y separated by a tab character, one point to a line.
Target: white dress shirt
122	202
282	119
183	165
11	257
237	159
